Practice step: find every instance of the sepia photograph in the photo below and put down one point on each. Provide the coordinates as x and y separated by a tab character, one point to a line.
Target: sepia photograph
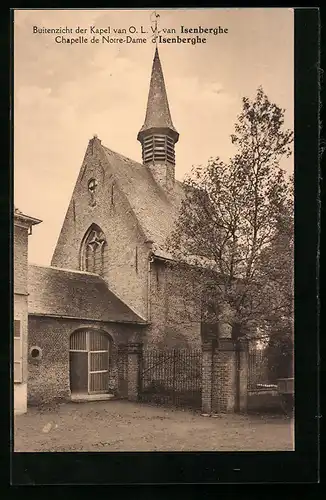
153	227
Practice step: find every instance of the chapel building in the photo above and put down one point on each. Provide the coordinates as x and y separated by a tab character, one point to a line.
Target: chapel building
112	281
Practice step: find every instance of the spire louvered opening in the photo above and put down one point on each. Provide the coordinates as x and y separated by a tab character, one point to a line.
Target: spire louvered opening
158	148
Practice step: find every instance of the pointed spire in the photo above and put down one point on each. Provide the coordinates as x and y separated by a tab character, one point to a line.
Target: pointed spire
158	135
158	112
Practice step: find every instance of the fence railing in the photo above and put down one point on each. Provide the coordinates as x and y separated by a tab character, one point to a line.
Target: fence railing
172	376
258	373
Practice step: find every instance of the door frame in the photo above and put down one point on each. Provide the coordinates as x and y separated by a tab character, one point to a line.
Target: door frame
88	333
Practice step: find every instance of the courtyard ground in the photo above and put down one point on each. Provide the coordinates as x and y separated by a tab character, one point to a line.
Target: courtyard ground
125	426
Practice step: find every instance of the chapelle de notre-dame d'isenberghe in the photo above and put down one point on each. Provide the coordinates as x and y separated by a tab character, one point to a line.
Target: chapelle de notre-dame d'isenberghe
110	282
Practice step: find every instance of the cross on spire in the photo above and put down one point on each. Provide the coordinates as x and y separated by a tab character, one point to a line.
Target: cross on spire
154	19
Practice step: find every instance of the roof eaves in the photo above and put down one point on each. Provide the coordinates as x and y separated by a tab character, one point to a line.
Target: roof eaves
62	316
32	221
67	270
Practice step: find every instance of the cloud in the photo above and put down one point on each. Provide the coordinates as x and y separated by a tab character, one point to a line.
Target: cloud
31	95
198	91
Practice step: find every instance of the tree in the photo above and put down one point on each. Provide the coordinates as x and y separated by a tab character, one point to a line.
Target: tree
279	353
277	267
235	224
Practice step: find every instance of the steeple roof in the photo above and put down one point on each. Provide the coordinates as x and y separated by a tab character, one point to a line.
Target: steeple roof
158	112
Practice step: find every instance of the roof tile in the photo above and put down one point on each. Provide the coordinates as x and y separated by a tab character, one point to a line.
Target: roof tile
59	292
155	209
158	112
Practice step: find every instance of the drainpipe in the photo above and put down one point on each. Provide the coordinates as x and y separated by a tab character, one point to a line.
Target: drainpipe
150	261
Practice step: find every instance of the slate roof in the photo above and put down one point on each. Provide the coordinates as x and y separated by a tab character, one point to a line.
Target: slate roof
155	209
19	215
158	112
65	293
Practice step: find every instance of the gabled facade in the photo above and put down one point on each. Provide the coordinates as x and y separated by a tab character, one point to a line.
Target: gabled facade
106	209
112	281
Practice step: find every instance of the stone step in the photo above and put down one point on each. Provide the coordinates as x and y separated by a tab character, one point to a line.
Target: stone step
82	398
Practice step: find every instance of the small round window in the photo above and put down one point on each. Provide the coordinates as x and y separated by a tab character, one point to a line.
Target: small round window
92	185
35	352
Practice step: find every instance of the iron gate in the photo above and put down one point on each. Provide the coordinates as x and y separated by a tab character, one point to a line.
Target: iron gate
258	373
171	377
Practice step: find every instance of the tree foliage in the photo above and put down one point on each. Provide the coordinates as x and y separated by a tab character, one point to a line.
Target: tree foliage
279	353
236	223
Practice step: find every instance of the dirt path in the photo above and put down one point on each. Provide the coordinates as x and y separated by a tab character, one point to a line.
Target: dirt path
124	426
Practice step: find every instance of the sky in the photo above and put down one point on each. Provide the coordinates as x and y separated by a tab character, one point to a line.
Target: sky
64	94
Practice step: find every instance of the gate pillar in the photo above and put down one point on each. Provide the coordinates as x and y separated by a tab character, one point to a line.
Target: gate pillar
122	362
242	375
207	349
225	377
134	359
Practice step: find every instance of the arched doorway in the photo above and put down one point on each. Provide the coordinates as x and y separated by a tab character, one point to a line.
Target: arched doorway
89	358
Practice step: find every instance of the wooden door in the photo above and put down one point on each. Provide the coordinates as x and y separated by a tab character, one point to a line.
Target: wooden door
98	363
78	372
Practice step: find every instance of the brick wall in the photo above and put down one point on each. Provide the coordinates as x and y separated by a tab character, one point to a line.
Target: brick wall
175	316
127	273
225	372
122	373
224	381
20	259
164	174
49	376
175	308
134	357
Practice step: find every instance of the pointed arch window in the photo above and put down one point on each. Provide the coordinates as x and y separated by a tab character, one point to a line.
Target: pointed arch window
95	251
